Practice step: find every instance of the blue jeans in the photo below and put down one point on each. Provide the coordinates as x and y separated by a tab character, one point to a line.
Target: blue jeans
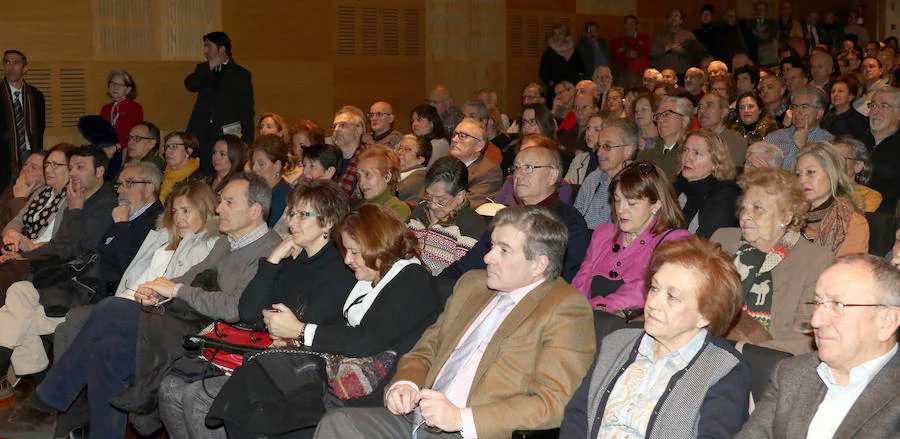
101	358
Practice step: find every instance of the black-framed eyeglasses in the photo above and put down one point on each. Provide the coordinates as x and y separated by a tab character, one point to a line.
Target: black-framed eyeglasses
607	147
54	165
836	309
132	137
526	169
805	107
128	183
465	136
667	113
300	214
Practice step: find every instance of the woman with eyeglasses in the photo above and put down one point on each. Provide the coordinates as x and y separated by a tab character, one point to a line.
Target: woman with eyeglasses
180	150
705	184
379	175
304	277
426	122
859	169
614	107
843	118
445	224
268	156
677	377
835	219
753	120
414	153
645	214
392	302
124	111
535	119
778	268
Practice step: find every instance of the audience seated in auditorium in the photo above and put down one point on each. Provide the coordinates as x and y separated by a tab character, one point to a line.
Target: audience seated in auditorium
705	184
884	119
467	145
305	274
424	121
753	119
229	157
442	102
807	108
107	350
859	169
677	377
673	117
268	155
444	223
34	310
507	193
645	214
778	267
414	153
523	314
143	144
849	387
536	172
616	144
347	130
379	176
763	154
30	179
180	150
834	219
84	202
843	118
381	122
711	112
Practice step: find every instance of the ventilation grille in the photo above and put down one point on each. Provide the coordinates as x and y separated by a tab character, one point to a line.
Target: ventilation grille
42	79
72	96
366	30
529	33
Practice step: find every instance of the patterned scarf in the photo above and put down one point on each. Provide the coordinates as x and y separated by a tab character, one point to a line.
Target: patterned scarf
834	217
348	178
756	268
38	214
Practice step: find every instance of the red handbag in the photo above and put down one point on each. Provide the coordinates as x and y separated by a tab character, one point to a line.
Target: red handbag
226	344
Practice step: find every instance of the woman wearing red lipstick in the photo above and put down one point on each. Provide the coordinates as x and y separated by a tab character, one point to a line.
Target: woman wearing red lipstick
645	214
835	219
778	267
705	186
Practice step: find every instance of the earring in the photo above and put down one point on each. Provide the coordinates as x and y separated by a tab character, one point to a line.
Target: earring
782	225
324	235
654	212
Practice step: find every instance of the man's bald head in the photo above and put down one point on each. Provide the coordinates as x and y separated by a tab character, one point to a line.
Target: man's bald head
440	99
381	117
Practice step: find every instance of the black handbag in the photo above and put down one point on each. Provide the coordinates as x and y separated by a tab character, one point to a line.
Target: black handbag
59	286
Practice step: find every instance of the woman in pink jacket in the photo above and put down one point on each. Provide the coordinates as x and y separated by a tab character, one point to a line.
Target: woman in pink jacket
645	213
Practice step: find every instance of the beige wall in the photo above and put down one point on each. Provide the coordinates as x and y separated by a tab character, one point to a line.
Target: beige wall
308	57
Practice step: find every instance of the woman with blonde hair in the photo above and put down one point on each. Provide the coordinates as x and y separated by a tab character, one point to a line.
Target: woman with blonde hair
271	123
835	219
705	184
378	179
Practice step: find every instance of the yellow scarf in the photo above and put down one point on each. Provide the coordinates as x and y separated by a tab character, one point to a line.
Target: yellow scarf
174	176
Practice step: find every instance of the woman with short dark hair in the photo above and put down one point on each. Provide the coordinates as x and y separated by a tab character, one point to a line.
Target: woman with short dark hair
269	155
444	223
425	121
843	117
753	119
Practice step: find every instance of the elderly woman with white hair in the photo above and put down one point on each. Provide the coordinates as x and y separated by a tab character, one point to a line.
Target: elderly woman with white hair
859	168
763	154
835	220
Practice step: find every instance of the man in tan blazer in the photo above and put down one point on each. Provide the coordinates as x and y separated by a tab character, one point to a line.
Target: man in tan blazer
462	380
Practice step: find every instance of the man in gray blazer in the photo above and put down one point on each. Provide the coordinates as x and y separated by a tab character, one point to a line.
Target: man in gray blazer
850	388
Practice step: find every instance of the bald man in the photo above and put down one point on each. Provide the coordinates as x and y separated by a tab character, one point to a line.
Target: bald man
381	122
440	99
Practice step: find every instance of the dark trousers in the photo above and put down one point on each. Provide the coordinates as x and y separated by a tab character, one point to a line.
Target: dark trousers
101	358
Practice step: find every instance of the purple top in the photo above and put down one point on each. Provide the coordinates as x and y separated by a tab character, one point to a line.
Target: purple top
629	262
507	197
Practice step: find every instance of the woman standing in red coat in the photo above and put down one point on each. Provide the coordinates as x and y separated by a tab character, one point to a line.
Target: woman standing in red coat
122	113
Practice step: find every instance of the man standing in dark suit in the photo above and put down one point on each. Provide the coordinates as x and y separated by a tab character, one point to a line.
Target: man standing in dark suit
224	97
21	116
850	387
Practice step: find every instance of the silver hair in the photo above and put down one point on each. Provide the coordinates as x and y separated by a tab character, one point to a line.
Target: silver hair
656	74
860	153
684	105
147	172
819	98
629	131
893	91
483	112
545	234
885	275
773	154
